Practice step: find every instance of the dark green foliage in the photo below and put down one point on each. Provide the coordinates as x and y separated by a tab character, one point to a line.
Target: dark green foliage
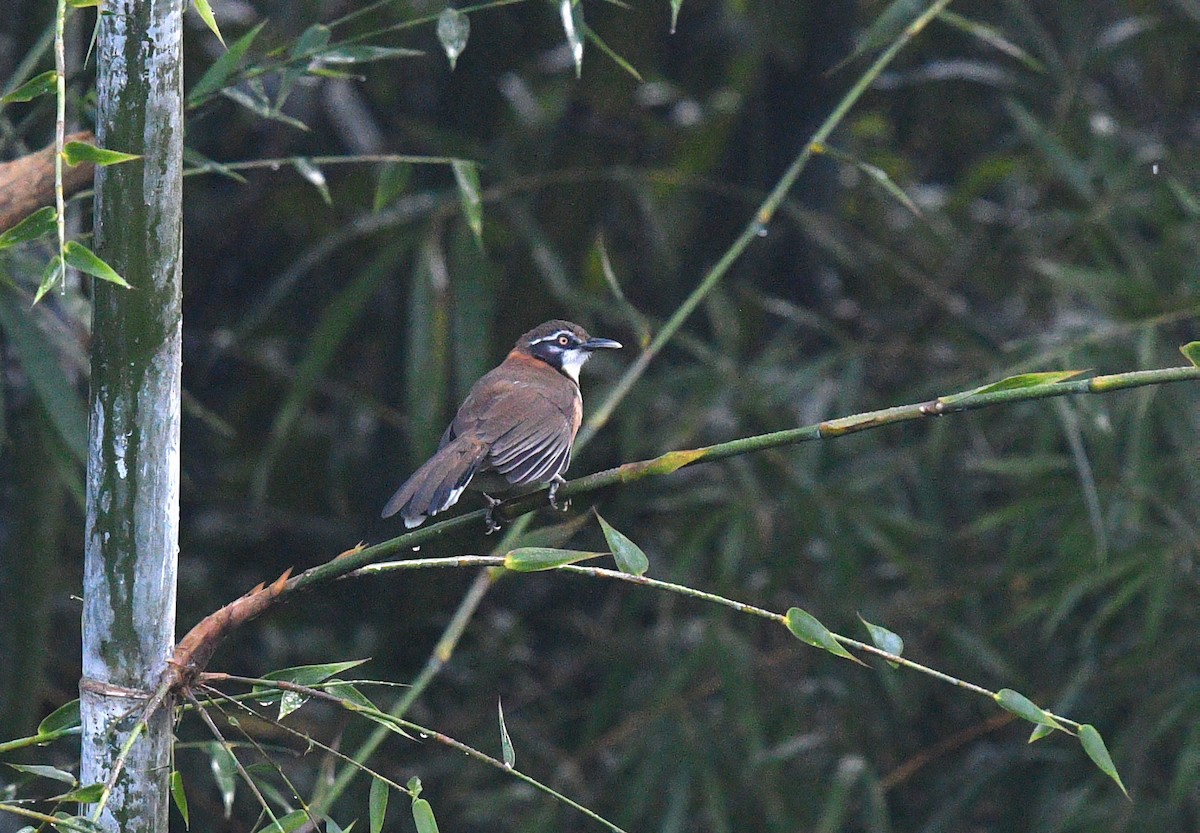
1045	547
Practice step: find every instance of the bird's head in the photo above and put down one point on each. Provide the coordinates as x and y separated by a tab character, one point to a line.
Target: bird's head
564	346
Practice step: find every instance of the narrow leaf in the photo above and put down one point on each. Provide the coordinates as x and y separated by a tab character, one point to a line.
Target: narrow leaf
393	179
1023	380
990	36
79	256
572	21
223	68
628	555
532	559
377	804
224	771
45	772
51	275
611	53
423	816
311	675
314	175
1023	707
64	717
313	40
453	29
676	5
506	748
84	795
206	14
292	821
466	174
350	694
202	164
808	629
1093	745
1191	351
76	152
884	639
1040	731
364	54
39	223
887	25
180	797
36	86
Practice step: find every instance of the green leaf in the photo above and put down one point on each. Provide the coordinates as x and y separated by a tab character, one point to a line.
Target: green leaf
1023	380
532	559
453	29
39	223
314	175
311	675
808	629
423	816
990	36
51	275
313	40
64	717
63	406
350	694
466	174
886	27
393	179
292	821
506	748
259	106
202	164
84	795
873	172
884	639
1023	707
1093	745
591	35
377	804
224	771
223	68
628	555
1191	351
180	797
45	772
83	4
38	85
364	54
206	14
676	5
79	256
1040	731
76	152
414	787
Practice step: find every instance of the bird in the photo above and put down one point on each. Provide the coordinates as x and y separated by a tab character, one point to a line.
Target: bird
513	432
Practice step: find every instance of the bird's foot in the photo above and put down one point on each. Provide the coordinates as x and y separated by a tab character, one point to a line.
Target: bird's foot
566	502
493	525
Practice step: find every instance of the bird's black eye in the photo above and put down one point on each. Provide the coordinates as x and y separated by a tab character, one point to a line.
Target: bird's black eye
563	341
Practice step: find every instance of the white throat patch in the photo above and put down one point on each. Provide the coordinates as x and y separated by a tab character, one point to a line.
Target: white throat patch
572	360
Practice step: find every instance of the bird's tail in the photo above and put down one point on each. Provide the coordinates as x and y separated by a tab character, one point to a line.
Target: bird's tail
439	483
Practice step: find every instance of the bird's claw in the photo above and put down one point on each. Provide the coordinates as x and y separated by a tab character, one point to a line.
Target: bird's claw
493	525
566	502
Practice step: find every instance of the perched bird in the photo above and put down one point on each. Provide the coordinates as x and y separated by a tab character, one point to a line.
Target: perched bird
515	429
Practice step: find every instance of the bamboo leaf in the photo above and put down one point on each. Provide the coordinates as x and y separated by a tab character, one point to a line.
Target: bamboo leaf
377	804
506	748
364	54
573	28
36	86
1191	351
224	771
180	797
51	275
805	627
1040	731
393	179
1024	380
1094	746
1023	707
628	555
611	53
453	29
466	174
62	405
314	175
292	821
532	559
41	771
311	675
990	36
39	223
223	68
79	256
206	14
76	152
64	717
676	5
423	816
84	795
884	639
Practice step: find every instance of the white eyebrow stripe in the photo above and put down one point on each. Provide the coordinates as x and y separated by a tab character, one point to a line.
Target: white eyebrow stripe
553	336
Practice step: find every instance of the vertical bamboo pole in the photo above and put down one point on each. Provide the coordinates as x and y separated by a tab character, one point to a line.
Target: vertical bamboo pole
133	438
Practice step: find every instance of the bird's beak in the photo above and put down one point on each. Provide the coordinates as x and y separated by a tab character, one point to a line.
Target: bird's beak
601	344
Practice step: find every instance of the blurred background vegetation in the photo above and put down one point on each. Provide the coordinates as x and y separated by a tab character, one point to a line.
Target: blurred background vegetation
1052	547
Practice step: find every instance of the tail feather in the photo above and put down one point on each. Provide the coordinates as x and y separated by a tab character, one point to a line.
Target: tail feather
438	484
